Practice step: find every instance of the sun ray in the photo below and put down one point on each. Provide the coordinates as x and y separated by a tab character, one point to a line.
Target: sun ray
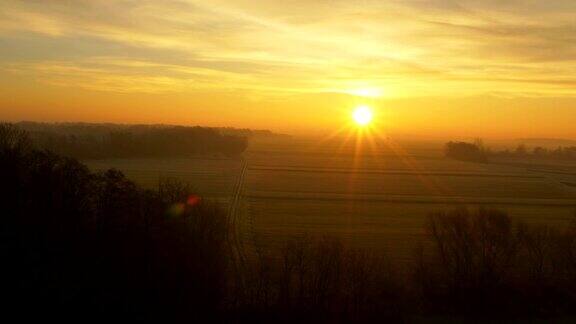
371	135
427	179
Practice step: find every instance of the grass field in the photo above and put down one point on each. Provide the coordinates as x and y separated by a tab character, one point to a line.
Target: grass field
378	198
211	178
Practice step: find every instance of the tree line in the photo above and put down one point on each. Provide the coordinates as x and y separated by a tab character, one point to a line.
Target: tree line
96	141
477	152
473	265
538	152
86	246
464	151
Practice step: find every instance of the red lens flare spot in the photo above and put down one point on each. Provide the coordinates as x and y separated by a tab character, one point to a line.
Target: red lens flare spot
193	200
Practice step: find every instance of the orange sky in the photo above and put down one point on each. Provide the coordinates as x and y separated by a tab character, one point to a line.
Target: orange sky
436	67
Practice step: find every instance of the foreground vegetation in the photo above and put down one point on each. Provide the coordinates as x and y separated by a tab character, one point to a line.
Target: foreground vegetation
474	265
91	246
83	245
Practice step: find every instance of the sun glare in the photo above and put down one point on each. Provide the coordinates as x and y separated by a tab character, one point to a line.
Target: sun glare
362	115
366	92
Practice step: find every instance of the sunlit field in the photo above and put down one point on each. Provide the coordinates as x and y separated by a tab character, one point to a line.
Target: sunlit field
377	198
211	178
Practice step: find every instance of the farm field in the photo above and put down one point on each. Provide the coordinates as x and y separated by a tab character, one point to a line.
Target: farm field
379	199
210	178
394	228
376	198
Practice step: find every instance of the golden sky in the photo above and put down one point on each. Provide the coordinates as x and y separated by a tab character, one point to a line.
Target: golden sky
440	67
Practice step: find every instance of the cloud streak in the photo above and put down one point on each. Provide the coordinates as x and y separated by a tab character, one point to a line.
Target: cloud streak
406	48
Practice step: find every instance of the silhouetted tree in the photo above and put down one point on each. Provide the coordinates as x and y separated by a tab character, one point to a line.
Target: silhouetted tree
473	152
76	244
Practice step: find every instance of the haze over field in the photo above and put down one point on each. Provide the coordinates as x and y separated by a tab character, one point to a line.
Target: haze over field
437	68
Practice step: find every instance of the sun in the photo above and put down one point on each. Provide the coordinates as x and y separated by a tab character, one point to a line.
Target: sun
362	115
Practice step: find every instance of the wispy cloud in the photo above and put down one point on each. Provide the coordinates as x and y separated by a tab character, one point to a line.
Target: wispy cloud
407	48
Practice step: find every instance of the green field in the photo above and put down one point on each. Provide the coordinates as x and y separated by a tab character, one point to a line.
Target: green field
211	178
378	198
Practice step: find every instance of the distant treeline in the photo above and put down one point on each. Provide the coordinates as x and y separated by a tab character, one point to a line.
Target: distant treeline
474	152
88	141
83	246
477	152
538	152
250	133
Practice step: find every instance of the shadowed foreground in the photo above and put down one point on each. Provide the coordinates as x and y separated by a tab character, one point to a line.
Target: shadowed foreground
75	243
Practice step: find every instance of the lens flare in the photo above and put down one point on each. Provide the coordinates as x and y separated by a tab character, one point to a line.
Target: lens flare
193	200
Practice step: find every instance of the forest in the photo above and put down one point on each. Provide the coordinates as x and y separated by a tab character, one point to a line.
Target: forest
477	152
99	141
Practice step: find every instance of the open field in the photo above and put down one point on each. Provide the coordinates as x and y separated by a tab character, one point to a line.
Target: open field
393	227
376	198
211	178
